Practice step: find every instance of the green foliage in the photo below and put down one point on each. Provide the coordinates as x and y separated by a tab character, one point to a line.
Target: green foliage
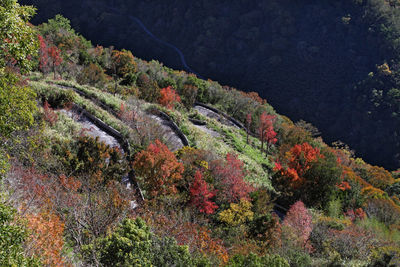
17	105
54	96
252	260
132	244
298	258
12	239
18	40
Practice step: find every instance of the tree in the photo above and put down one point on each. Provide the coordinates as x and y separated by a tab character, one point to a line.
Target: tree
266	130
55	58
169	97
230	179
159	168
17	105
18	40
299	220
200	195
12	239
132	244
43	55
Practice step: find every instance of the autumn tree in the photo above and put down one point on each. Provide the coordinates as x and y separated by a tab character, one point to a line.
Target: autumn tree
299	221
159	168
43	55
306	173
201	196
46	240
266	130
12	239
55	58
230	179
169	98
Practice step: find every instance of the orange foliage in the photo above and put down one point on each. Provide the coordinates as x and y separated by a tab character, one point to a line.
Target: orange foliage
196	237
46	239
169	97
159	168
349	175
381	178
371	192
298	159
254	96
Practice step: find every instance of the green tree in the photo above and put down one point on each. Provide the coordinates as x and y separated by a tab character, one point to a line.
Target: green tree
18	40
132	244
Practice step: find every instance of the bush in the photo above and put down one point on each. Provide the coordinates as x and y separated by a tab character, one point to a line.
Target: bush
93	75
252	260
298	258
132	244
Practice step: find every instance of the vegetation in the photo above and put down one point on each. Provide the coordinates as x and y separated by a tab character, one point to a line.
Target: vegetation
269	194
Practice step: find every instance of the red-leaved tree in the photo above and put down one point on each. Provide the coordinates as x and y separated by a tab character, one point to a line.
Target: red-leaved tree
200	195
230	176
266	130
159	168
43	55
55	58
169	97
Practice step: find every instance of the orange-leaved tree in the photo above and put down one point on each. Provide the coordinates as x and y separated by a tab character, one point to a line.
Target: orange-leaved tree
169	97
159	168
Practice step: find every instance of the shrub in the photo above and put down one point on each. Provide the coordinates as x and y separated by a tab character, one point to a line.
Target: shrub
93	75
237	213
252	260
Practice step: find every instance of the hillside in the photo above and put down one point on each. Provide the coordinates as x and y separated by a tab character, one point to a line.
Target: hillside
111	160
320	61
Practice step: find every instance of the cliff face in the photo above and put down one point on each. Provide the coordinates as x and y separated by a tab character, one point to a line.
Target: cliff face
312	60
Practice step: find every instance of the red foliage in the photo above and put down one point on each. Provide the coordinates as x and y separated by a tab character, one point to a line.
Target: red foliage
49	115
159	168
200	195
55	58
231	176
344	186
299	220
357	214
169	97
43	54
298	160
266	130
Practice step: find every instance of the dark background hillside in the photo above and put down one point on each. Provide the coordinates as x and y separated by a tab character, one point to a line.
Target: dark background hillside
322	61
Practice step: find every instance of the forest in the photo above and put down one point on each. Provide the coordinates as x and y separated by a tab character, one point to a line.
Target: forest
112	160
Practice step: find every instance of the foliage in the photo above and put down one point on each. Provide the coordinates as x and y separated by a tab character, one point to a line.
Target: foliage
229	175
132	244
159	168
266	130
169	98
12	240
18	42
237	214
95	158
17	104
200	195
252	260
299	220
93	75
46	238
